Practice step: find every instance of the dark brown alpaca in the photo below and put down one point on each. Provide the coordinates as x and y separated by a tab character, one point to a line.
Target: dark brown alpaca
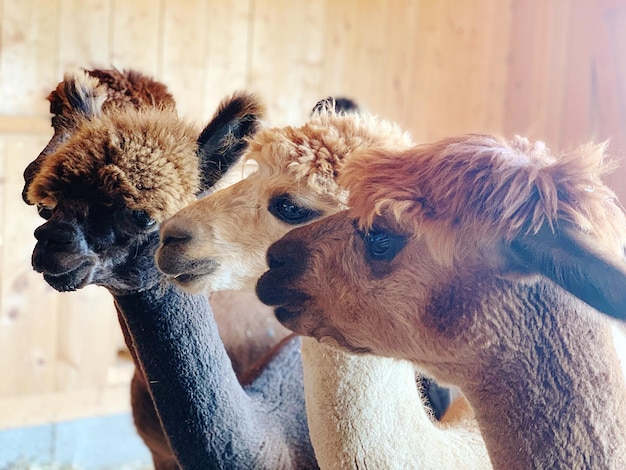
106	180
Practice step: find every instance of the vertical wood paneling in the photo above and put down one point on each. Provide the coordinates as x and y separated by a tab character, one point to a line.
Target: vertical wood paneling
28	332
29	55
83	35
400	77
607	88
580	111
226	51
554	70
136	35
356	51
459	69
539	54
89	329
185	26
286	65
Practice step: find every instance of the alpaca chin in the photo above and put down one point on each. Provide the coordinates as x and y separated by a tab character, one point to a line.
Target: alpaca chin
71	281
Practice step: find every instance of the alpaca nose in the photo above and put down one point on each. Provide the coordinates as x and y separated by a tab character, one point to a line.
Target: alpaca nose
58	233
172	235
287	259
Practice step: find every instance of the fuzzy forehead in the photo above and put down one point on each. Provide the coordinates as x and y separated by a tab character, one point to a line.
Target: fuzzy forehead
316	151
487	188
145	160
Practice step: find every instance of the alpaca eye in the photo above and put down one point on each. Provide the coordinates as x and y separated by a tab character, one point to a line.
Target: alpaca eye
288	211
143	219
44	212
382	245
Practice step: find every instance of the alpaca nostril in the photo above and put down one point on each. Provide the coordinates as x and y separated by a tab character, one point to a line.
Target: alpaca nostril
175	235
287	257
273	262
278	254
61	234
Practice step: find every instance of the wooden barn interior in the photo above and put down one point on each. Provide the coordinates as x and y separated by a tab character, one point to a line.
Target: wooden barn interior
549	70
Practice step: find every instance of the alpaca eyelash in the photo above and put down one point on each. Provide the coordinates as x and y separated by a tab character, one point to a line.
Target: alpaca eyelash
284	208
380	245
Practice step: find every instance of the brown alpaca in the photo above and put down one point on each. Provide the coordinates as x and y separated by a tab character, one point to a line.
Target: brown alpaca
126	101
470	257
363	412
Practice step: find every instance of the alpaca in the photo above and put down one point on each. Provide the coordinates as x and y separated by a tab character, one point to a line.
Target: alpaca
247	331
484	262
355	419
104	193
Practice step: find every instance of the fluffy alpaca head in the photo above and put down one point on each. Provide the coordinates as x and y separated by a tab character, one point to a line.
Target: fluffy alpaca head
432	229
481	189
143	160
219	242
91	92
118	174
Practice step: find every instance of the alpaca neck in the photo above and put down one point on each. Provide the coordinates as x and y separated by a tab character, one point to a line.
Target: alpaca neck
554	396
210	420
176	339
367	412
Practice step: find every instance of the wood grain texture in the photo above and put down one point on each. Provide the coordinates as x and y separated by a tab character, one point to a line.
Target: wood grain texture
552	70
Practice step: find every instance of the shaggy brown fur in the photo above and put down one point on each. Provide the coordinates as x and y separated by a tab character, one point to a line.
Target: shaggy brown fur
162	175
108	89
533	188
456	255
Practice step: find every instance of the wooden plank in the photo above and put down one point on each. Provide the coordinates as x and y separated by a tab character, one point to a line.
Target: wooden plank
136	35
607	114
32	410
84	35
579	116
87	339
536	96
338	44
355	47
226	52
400	76
459	68
28	58
185	30
28	315
286	63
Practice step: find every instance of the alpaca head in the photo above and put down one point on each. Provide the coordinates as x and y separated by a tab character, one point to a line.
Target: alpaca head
435	233
88	93
119	173
219	241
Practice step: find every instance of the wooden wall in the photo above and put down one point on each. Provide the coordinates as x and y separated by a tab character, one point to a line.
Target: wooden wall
549	69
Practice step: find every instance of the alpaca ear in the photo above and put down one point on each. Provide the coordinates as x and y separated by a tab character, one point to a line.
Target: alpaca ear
224	139
339	105
85	95
572	260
